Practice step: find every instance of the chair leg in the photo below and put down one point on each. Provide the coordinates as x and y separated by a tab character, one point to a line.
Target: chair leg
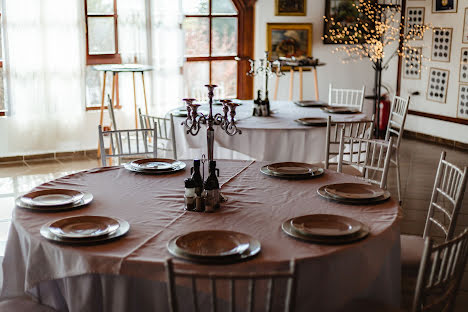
397	157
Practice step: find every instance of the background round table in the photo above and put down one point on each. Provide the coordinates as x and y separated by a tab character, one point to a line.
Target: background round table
274	138
128	274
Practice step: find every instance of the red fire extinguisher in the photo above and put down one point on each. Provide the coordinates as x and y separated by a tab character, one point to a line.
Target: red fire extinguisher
384	110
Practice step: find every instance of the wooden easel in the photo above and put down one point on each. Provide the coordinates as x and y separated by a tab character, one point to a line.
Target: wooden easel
301	88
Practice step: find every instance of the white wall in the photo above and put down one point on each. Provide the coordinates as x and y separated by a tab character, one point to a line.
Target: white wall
351	75
438	128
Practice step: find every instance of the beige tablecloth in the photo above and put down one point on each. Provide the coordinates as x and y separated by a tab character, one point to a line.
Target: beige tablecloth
264	138
128	274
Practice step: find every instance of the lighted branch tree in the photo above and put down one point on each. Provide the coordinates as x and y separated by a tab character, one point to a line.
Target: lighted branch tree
376	26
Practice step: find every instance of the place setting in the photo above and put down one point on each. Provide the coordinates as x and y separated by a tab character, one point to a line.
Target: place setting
292	170
54	200
325	229
312	121
310	103
84	229
155	166
214	247
354	193
339	110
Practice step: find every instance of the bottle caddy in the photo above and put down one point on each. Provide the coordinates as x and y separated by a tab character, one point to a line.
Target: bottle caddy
202	196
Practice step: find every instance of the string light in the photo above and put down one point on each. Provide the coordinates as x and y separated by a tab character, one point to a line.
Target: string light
377	26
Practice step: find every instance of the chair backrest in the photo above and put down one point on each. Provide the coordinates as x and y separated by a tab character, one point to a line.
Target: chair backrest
346	97
110	108
231	286
358	129
127	143
446	199
397	118
371	157
166	131
440	273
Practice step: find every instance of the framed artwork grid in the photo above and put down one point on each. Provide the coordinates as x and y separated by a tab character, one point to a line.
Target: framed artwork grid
441	44
437	85
412	63
464	65
414	17
462	109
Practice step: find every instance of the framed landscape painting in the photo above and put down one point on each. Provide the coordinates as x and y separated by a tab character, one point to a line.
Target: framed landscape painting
287	39
290	7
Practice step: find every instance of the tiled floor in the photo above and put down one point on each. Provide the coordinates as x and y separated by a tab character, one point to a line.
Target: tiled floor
419	162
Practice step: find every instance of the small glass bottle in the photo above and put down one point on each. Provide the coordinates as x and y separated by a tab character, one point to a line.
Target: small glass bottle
256	106
211	192
190	195
197	178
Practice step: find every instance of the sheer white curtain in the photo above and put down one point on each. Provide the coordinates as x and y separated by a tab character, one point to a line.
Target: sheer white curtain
44	70
168	55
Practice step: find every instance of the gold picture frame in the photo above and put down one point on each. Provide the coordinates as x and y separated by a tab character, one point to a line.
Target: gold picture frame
289	39
290	8
444	6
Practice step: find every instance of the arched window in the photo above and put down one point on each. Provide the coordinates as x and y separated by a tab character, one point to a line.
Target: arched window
212	41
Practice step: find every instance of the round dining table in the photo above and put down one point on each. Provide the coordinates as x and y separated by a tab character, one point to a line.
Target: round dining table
128	273
274	138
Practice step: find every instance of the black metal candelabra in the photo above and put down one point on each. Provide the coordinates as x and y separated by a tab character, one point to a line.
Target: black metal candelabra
226	120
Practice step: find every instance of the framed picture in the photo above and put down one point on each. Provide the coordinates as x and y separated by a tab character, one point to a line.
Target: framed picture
437	85
344	12
465	27
286	39
290	7
441	44
444	6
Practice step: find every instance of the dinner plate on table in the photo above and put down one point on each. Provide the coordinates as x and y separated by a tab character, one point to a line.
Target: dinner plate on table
310	103
321	191
287	227
52	197
24	203
354	191
122	229
326	225
292	170
312	121
84	227
340	110
214	246
155	165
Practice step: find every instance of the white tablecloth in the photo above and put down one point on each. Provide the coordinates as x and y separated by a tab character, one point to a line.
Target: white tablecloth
128	274
274	138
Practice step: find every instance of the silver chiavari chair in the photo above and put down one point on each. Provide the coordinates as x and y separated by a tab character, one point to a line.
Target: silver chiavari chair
166	133
395	128
254	285
444	207
122	147
370	157
358	129
346	97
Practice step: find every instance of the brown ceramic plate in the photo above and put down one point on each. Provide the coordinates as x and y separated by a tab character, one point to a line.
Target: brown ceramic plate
291	168
52	197
153	164
354	190
331	240
312	121
84	226
321	191
325	225
310	103
340	110
313	174
212	243
123	228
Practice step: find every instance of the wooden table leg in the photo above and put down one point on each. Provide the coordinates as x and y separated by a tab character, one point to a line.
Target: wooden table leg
134	98
300	85
146	103
101	118
316	84
291	82
275	95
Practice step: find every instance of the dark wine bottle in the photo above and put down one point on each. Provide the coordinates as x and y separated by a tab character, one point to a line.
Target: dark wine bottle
197	178
256	106
267	105
211	186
